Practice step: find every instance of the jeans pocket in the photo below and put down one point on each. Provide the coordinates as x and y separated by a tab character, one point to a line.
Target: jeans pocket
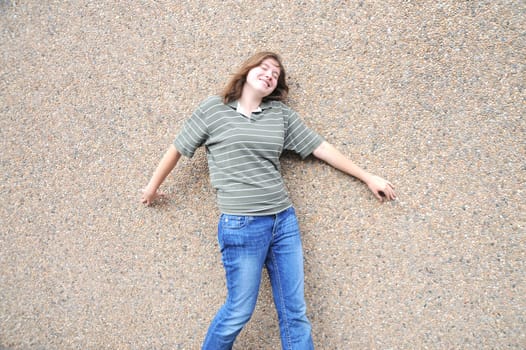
233	222
231	230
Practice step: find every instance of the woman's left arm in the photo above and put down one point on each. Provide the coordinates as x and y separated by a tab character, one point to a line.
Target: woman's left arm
381	188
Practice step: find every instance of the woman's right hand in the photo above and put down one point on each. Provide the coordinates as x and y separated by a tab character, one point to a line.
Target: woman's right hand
148	196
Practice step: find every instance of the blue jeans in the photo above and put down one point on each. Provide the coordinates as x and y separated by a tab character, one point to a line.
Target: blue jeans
247	244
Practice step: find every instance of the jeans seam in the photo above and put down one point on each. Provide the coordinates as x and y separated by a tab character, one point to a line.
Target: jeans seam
282	302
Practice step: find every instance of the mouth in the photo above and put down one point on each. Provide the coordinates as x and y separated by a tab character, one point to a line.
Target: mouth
265	82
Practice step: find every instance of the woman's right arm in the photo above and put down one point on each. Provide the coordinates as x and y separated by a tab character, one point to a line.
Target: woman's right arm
166	165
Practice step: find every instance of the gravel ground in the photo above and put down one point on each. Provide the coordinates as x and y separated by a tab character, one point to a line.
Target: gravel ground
429	95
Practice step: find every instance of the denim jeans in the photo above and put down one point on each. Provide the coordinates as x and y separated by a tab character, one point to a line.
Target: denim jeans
247	244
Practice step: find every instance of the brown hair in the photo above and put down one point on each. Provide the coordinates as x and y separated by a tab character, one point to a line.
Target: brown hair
234	88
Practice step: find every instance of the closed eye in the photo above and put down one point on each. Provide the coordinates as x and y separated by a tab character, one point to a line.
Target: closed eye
275	74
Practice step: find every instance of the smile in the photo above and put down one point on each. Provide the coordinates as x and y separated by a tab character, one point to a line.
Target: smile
267	84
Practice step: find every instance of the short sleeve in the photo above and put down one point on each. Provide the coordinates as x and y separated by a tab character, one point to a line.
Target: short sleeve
193	134
299	137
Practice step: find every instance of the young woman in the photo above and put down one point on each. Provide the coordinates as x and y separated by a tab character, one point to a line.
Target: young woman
244	132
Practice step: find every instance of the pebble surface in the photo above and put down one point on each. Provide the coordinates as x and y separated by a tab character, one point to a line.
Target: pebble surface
427	94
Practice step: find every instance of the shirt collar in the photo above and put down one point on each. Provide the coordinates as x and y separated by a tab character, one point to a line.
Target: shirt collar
264	105
238	109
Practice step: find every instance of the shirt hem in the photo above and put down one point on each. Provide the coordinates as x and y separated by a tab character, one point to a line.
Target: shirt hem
262	213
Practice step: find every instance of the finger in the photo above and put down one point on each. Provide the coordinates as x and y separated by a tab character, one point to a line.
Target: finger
391	195
145	200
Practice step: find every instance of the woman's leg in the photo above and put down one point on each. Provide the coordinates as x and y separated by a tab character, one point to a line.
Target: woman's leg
244	243
285	266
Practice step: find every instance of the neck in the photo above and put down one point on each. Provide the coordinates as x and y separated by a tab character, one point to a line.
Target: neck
249	101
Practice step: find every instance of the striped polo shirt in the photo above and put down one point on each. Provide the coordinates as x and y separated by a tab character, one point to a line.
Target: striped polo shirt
243	152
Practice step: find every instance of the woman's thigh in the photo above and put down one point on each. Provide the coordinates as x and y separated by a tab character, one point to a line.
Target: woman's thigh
244	243
285	259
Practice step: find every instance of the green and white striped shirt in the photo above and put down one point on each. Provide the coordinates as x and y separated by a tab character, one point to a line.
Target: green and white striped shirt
243	152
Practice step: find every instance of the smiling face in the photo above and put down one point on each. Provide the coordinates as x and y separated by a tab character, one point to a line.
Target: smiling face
263	78
272	87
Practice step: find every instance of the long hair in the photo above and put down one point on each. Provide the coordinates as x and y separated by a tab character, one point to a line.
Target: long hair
234	88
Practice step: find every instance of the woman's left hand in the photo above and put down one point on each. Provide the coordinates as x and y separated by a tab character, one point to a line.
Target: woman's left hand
382	189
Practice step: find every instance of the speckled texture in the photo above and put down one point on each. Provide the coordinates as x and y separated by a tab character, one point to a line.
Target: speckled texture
429	95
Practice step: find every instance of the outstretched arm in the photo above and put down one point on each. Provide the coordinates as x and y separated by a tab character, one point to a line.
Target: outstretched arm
381	188
166	165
